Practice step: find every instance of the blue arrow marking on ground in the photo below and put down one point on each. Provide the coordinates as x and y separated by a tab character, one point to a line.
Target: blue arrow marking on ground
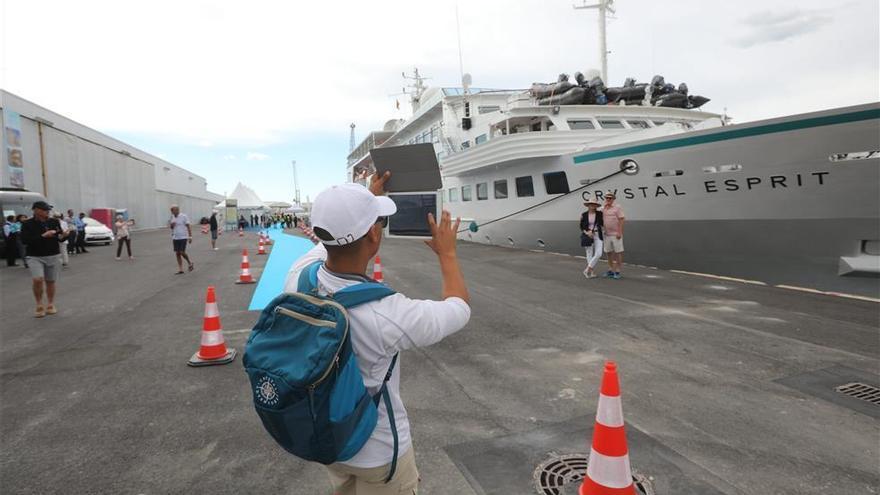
285	250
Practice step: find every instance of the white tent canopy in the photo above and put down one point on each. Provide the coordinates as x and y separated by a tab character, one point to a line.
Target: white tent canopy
246	197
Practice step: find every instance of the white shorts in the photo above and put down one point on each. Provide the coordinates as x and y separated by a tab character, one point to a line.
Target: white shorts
613	244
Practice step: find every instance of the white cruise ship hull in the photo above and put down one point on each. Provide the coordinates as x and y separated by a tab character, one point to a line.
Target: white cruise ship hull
792	201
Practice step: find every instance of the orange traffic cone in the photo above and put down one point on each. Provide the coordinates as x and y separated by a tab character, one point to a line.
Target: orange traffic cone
608	470
213	348
377	271
261	249
245	277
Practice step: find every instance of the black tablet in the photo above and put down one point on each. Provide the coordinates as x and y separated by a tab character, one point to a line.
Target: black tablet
413	167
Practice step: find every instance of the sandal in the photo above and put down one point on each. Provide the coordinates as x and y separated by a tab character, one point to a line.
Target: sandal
178	273
191	267
51	310
40	312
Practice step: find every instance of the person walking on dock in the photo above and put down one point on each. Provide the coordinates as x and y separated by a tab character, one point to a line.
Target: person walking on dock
123	236
613	220
65	234
215	230
72	235
11	231
42	236
80	233
592	236
181	235
349	220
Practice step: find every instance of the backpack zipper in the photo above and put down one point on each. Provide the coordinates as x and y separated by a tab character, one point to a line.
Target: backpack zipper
307	319
320	302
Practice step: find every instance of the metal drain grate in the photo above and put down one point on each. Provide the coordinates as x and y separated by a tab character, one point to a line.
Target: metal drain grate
561	474
861	391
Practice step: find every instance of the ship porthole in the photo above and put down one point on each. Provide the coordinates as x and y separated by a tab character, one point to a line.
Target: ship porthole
510	240
629	167
541	244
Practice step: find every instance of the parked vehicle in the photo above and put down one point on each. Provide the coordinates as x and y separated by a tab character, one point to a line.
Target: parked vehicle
97	232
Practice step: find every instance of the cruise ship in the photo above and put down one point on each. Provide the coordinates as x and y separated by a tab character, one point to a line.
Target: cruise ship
791	201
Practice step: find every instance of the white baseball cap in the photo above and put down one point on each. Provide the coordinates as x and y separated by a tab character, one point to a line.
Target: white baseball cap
348	211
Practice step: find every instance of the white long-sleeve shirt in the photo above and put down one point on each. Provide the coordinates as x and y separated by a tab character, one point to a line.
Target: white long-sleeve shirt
379	330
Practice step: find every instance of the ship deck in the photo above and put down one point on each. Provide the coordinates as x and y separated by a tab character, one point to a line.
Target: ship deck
727	387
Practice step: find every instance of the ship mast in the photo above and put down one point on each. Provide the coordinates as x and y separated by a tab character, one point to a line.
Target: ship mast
604	7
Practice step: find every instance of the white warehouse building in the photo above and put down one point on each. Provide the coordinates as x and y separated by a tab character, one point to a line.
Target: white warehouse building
78	168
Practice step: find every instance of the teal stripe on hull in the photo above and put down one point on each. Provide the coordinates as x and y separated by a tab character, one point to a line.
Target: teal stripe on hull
733	134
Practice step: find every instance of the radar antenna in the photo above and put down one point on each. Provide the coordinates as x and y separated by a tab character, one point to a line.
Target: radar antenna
351	138
604	7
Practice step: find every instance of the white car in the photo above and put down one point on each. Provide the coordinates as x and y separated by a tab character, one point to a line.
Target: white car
97	232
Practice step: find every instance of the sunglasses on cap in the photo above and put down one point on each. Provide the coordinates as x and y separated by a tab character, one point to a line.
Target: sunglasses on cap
383	221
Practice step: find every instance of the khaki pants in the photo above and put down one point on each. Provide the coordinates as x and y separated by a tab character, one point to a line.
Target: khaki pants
349	480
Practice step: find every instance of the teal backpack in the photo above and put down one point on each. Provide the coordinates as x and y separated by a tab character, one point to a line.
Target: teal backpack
306	384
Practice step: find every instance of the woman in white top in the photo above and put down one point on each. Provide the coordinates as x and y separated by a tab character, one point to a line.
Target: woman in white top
592	235
123	236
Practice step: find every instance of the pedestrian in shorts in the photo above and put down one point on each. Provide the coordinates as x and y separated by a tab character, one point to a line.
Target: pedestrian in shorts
42	238
613	220
181	235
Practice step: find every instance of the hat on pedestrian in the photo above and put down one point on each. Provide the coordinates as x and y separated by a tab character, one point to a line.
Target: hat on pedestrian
42	205
591	202
610	194
346	212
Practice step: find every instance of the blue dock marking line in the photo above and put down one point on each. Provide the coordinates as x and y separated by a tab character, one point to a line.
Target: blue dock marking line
285	250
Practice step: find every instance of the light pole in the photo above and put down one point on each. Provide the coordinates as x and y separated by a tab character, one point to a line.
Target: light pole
295	180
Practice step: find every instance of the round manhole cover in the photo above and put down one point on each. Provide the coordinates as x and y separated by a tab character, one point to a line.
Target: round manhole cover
561	474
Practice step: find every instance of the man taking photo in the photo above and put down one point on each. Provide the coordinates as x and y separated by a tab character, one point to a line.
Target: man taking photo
349	219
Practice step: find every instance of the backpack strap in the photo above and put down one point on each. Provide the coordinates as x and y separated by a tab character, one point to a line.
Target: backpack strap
308	278
355	295
386	396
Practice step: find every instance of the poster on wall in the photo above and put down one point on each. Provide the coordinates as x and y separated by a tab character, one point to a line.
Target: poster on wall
231	214
14	175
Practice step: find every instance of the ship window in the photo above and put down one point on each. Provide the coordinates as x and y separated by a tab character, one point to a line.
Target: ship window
536	127
488	108
581	124
481	139
501	189
611	124
556	183
466	193
730	167
524	186
453	194
658	122
482	191
465	145
638	124
669	173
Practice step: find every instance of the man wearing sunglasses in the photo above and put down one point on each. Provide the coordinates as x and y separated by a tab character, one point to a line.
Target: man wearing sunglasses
349	219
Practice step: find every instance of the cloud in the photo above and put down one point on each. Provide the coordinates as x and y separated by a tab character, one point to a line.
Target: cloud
229	157
205	143
254	156
771	27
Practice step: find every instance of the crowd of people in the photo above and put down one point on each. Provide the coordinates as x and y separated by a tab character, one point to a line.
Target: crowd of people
265	221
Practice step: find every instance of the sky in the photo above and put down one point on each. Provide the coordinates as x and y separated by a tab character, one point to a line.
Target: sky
236	90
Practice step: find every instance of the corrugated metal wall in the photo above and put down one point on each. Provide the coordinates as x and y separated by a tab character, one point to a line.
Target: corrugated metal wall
85	170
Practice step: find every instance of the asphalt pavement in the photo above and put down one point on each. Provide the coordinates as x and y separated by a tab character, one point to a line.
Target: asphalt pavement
727	387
